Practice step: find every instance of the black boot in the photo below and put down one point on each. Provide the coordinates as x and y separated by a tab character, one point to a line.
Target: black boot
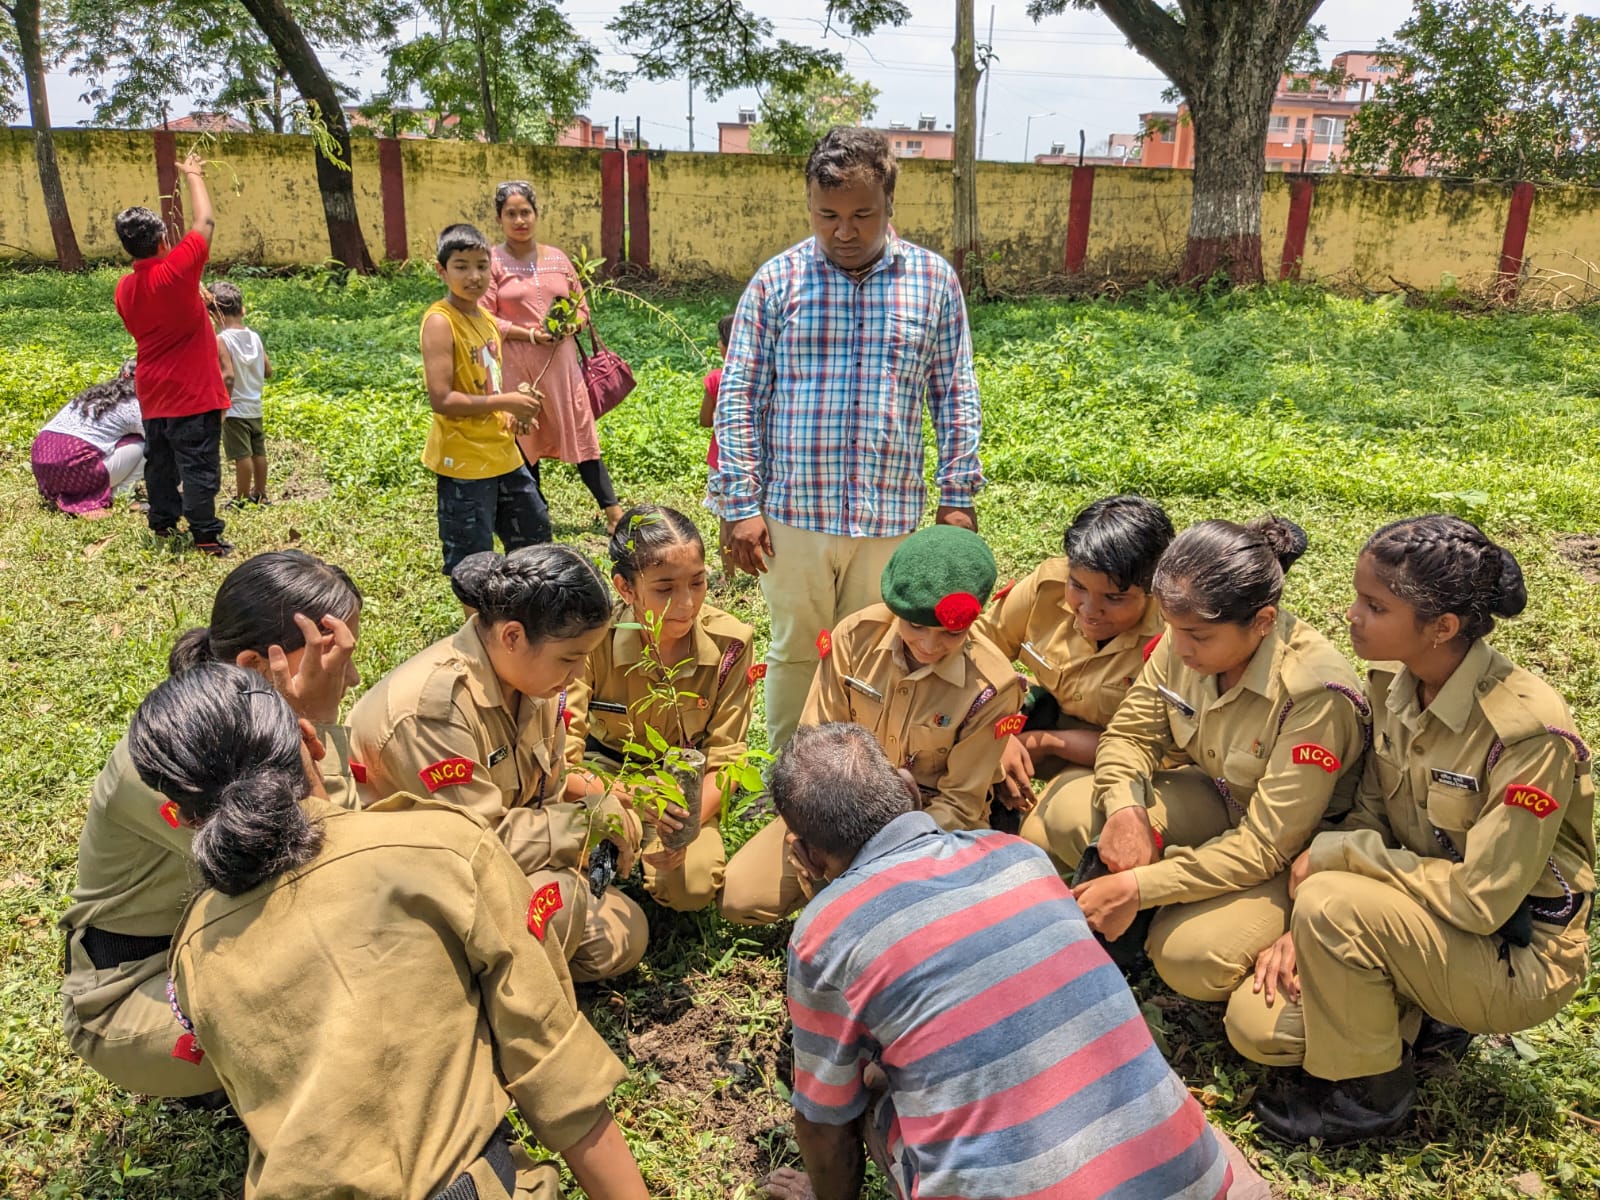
1350	1110
1438	1040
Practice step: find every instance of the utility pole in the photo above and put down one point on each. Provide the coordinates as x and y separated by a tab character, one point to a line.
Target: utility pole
988	65
691	112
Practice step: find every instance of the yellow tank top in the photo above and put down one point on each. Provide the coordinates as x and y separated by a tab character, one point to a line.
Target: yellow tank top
480	446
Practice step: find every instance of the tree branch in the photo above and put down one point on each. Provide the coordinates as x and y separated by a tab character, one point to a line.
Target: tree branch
1156	35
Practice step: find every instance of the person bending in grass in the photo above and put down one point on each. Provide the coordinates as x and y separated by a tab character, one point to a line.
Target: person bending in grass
953	1014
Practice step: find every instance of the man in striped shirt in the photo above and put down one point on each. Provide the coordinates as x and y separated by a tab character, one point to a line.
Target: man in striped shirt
952	1010
838	343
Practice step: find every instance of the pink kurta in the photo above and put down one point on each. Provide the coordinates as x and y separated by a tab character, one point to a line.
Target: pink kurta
520	294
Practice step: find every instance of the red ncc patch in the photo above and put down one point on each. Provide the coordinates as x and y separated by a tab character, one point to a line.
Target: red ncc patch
447	772
188	1049
1311	754
1536	800
1006	726
1005	591
756	671
824	644
545	904
358	771
1150	647
169	813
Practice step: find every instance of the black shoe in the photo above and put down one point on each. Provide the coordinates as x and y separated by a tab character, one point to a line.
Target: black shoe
239	503
215	549
1351	1110
1438	1040
260	501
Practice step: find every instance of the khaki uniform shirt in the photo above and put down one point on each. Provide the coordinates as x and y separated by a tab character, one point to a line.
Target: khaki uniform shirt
374	1013
945	723
1474	803
135	870
1032	624
1284	747
611	702
441	721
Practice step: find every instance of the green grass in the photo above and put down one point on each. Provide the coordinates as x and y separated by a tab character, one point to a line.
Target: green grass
1341	414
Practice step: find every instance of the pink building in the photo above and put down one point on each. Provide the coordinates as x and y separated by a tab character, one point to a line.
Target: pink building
926	140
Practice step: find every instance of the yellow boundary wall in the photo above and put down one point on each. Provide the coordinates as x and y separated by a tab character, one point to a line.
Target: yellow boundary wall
719	216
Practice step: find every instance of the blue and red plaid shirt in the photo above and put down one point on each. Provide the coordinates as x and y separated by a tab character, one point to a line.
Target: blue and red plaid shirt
819	417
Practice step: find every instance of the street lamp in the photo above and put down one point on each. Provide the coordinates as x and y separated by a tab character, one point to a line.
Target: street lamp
1027	135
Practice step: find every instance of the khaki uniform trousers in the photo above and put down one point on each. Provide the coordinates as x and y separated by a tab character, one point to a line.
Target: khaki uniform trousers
763	885
694	884
119	1022
1202	949
813	581
1372	961
602	938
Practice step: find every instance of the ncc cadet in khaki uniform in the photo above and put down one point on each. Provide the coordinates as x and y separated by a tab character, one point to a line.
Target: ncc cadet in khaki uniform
610	705
1459	888
441	719
940	701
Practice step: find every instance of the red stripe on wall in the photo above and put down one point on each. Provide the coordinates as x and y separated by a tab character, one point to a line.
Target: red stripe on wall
1301	192
392	186
167	181
1516	240
1080	203
611	200
639	211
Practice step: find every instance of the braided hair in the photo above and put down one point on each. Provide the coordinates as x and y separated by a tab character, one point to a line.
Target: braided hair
646	534
98	399
225	747
551	590
1220	571
1441	564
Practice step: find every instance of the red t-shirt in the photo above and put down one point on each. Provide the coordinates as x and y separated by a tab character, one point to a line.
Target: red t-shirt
713	386
159	303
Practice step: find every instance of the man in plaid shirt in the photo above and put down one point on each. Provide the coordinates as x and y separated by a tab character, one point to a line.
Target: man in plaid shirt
837	344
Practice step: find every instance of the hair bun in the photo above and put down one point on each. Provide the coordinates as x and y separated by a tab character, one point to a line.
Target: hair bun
1286	540
473	575
1511	592
192	649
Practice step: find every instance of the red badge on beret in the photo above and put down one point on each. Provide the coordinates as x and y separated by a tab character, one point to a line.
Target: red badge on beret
958	611
358	771
447	772
824	644
169	813
1536	800
756	671
545	904
188	1049
1009	725
1311	754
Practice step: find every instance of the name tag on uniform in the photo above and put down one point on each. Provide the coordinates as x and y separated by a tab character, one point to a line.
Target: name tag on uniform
1177	701
1027	648
497	755
866	689
610	706
1467	783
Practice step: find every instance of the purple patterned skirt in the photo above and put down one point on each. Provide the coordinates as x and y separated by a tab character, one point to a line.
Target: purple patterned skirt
71	473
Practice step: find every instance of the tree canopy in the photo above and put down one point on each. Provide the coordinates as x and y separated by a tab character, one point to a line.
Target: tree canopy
795	112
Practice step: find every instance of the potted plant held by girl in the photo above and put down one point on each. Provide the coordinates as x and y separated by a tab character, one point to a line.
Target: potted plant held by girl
664	704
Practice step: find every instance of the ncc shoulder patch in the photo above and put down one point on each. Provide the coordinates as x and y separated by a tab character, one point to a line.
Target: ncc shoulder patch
358	771
545	904
757	671
169	813
1004	592
824	644
1312	755
1536	800
447	772
1150	647
1006	726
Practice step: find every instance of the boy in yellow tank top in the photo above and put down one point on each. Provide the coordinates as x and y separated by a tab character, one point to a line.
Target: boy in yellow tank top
484	487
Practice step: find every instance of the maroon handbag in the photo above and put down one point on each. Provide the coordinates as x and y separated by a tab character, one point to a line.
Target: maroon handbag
607	377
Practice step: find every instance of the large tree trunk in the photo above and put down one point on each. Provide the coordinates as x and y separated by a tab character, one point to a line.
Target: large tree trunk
964	175
333	180
26	16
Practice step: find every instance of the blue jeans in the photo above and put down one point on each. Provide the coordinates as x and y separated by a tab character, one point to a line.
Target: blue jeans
472	511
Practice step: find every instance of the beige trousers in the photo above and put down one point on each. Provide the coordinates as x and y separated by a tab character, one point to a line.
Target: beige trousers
601	938
1372	961
813	581
695	883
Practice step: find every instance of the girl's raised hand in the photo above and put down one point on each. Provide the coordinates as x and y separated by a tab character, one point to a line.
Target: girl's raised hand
315	688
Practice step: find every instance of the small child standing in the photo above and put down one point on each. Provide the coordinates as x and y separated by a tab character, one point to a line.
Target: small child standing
708	406
179	381
243	440
484	486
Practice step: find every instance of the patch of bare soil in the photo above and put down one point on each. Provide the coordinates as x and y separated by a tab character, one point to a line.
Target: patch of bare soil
1583	552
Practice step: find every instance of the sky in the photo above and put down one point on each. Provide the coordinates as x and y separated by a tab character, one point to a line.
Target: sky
1068	73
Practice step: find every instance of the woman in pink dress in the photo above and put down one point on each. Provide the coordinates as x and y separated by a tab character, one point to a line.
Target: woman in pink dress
526	279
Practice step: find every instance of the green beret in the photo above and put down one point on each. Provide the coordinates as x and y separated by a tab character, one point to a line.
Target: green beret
940	576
